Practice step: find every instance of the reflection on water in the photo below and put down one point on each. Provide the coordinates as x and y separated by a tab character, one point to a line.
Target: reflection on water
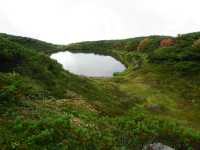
88	64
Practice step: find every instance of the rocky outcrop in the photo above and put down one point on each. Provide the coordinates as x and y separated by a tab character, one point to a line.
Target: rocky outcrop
153	107
157	146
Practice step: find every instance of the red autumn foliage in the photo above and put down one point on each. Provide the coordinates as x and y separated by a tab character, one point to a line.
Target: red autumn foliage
167	42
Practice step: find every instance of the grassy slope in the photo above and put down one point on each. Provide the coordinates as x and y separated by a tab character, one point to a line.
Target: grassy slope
101	113
30	43
169	75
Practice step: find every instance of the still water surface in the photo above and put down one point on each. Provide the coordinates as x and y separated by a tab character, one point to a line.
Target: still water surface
88	64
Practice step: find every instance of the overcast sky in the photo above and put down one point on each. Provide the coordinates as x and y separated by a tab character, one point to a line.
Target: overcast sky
66	21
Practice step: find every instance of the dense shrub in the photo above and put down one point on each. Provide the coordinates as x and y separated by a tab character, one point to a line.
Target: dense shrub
183	56
58	131
11	88
184	40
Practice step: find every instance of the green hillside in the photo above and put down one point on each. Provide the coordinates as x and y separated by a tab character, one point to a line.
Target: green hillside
156	99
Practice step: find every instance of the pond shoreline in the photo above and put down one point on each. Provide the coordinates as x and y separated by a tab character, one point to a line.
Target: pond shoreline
89	64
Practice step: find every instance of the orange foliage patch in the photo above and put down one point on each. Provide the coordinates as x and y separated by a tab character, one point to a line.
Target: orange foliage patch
196	43
143	43
167	42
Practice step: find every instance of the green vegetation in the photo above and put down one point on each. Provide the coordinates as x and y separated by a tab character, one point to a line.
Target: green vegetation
29	43
156	99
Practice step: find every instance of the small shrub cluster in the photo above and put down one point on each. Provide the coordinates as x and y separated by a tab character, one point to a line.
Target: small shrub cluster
11	88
